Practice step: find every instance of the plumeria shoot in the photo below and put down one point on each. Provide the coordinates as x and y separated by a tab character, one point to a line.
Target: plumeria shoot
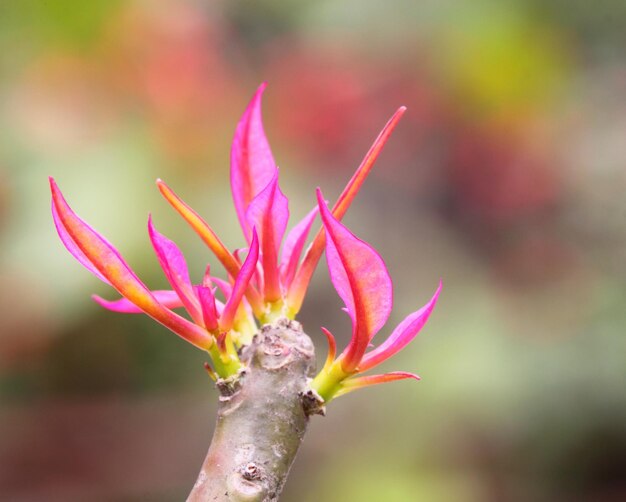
260	358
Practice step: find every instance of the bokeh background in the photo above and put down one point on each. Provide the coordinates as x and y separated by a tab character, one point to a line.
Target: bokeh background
506	178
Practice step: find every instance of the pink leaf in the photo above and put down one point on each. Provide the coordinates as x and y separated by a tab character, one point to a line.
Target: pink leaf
252	165
71	246
174	266
167	298
361	279
365	381
210	239
293	246
224	286
360	175
201	227
206	295
241	284
401	336
268	213
302	279
106	259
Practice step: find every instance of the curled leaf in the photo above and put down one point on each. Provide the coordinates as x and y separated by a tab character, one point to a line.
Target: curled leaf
401	336
362	281
303	277
109	263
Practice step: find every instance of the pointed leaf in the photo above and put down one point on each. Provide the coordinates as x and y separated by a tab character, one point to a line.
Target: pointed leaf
224	286
355	183
401	336
365	381
332	349
241	284
361	279
302	279
268	213
210	239
201	227
244	320
167	298
206	296
71	246
293	246
174	266
106	259
252	164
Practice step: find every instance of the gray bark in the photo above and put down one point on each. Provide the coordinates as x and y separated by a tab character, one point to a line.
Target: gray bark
262	417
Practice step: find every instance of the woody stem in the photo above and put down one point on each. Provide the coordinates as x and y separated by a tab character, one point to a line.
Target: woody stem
262	418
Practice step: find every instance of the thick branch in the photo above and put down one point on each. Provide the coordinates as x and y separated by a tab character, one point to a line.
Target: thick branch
261	420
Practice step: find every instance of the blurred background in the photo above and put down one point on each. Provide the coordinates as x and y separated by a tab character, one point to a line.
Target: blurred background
506	178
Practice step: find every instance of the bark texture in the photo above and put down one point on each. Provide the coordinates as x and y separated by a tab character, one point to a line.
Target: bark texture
261	419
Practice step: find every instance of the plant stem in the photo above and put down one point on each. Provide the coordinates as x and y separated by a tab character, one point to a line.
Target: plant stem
261	418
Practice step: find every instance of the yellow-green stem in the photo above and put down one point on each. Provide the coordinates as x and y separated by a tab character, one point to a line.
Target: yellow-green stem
275	311
328	382
228	363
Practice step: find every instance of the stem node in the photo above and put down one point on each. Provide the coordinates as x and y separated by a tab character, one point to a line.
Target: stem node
261	418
